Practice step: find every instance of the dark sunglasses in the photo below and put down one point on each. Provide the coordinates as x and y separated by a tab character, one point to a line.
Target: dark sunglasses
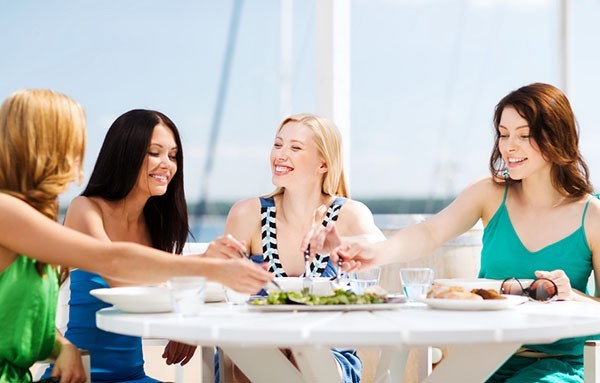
542	289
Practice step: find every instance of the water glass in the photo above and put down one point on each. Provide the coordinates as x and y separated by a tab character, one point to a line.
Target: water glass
416	282
361	280
187	294
235	298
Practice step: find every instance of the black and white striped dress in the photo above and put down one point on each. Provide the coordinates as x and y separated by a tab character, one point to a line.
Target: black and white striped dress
320	265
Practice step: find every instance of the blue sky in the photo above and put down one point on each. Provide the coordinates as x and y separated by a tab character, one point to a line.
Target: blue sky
425	78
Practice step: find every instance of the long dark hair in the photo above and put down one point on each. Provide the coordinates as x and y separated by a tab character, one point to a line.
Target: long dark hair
117	168
553	127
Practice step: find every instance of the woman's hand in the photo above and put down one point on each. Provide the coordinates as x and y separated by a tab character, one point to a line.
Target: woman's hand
176	352
562	282
226	247
357	255
321	239
68	364
242	275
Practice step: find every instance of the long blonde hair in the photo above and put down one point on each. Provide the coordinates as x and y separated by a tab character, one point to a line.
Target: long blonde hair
329	144
42	143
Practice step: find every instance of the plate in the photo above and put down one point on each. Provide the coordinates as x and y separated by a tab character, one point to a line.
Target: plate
150	299
291	308
475	305
136	299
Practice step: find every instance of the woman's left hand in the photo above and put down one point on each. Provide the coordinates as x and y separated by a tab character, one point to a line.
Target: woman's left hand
176	352
562	282
68	365
321	239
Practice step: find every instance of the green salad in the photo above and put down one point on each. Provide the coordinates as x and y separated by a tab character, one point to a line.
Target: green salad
339	297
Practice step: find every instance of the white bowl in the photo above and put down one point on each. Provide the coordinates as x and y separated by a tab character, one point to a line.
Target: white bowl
136	299
320	286
214	292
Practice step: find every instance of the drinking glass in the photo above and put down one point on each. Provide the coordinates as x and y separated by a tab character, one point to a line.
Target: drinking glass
187	294
416	282
359	281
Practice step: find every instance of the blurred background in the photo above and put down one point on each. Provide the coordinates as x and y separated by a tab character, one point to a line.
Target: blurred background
423	79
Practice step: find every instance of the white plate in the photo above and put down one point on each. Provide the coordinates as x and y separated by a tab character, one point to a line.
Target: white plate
150	299
475	305
136	299
365	307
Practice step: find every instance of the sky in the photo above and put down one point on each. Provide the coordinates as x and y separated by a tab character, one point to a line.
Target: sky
425	77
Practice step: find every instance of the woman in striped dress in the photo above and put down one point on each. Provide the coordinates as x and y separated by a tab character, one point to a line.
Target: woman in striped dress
306	166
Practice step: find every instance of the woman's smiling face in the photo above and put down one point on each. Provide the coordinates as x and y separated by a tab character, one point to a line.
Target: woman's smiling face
519	150
160	164
294	156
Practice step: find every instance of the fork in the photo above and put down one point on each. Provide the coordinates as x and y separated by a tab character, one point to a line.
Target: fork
338	273
307	281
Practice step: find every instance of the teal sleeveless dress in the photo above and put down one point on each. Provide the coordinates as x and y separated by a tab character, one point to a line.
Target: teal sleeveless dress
504	255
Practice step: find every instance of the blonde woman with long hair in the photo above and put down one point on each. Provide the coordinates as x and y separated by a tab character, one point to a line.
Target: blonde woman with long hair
42	141
306	165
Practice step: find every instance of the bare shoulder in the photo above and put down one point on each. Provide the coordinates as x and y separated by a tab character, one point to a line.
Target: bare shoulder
243	220
354	209
592	225
245	208
357	219
485	187
82	203
592	218
486	191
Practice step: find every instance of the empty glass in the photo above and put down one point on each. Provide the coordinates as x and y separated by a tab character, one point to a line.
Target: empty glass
416	282
359	281
187	294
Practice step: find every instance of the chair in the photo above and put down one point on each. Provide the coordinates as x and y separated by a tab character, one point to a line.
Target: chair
191	248
591	361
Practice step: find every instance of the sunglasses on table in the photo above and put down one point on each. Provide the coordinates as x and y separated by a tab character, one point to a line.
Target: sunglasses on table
541	289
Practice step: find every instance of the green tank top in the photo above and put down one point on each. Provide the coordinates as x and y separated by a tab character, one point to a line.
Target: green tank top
27	314
503	255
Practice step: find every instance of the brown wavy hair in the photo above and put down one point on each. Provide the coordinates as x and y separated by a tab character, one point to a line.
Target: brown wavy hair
329	145
553	127
42	143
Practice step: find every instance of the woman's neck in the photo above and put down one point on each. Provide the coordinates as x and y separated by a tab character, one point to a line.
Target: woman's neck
129	209
302	207
539	193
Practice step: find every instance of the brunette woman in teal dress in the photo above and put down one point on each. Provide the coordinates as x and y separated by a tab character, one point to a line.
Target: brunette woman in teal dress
540	217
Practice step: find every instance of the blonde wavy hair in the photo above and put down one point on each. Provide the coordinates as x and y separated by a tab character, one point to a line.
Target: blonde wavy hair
42	143
329	145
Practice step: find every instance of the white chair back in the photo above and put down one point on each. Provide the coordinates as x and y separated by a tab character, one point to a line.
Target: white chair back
191	248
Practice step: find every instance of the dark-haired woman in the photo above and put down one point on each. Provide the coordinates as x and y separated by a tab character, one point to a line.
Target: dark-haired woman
41	148
135	194
540	218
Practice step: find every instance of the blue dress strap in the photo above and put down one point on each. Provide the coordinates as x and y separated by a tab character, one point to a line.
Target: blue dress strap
266	202
505	191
